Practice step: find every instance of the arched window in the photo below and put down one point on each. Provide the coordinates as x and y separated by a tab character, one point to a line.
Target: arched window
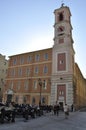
61	17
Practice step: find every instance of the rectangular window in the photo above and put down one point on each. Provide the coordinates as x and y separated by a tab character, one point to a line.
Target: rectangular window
13	72
46	56
27	71
29	59
14	61
37	57
20	72
21	60
61	64
36	69
6	71
4	63
35	84
26	85
45	69
2	80
18	85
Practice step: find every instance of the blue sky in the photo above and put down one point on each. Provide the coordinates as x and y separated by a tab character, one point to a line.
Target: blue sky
27	25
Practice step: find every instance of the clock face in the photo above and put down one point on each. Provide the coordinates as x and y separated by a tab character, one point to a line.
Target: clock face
61	29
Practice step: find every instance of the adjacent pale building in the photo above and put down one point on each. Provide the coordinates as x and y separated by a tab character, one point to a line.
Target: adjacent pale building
3	73
50	75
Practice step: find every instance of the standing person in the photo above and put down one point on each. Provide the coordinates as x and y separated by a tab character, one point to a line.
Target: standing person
66	111
72	108
56	109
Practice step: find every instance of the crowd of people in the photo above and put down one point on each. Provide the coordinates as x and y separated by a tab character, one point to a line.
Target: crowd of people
38	110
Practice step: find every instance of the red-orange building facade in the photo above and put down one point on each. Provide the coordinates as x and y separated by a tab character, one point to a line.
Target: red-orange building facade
24	72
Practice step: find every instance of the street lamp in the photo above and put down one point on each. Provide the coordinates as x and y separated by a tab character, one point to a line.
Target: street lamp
40	84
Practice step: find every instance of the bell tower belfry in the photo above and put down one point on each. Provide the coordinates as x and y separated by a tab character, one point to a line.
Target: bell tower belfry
62	58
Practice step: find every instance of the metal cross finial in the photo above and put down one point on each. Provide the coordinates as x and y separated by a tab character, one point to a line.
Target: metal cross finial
62	3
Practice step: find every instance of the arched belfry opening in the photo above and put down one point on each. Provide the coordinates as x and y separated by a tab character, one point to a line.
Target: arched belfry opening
61	17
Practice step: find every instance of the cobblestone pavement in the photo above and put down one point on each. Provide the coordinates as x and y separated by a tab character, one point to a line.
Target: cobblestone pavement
76	121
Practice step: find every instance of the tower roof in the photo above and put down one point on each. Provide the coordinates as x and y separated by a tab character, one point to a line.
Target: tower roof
62	8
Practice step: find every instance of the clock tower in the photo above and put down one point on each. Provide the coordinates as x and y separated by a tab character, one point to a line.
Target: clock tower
62	58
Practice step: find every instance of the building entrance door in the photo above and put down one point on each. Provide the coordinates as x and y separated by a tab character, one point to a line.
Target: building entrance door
61	105
9	98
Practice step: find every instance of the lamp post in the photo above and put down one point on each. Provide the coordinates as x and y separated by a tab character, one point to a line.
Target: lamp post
40	84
